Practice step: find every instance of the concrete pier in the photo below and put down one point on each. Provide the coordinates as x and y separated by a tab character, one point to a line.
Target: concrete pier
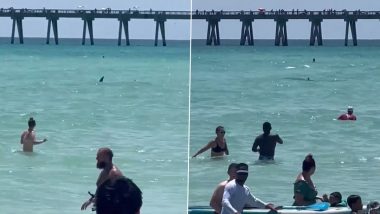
246	31
213	35
281	36
213	18
316	31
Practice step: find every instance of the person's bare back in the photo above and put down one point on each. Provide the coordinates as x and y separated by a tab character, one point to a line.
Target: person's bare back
28	137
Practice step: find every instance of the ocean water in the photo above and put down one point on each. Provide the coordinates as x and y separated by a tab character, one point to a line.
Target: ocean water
240	87
140	111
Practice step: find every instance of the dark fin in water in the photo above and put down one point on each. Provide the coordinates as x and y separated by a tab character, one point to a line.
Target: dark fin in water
101	79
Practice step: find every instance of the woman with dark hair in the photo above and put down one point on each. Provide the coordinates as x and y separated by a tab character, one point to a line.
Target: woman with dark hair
305	192
218	146
28	137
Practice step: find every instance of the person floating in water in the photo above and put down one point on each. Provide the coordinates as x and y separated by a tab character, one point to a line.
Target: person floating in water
218	146
266	143
313	59
349	115
28	137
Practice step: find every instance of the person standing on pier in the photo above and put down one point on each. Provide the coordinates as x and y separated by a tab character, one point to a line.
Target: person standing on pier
266	143
28	137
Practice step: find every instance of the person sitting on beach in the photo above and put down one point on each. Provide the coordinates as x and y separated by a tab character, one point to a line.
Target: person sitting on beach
109	171
305	192
121	196
218	146
355	203
335	199
349	115
28	137
237	196
266	143
217	196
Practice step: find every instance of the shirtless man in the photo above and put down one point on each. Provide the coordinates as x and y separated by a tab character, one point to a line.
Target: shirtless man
349	116
28	137
266	143
218	146
216	199
109	171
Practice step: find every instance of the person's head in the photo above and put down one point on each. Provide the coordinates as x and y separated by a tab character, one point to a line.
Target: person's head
122	196
308	165
31	123
220	131
373	207
104	157
350	110
232	170
335	198
241	173
355	202
267	127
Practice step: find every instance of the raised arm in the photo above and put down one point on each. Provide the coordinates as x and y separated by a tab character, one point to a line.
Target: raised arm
205	148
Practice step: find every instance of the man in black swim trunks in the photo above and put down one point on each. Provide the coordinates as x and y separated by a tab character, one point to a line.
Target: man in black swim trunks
266	143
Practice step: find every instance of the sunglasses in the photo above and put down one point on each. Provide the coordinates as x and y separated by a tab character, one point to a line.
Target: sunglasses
223	132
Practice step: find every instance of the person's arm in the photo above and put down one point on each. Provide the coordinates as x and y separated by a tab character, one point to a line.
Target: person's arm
255	202
255	145
226	200
39	141
279	140
227	152
205	148
216	199
22	137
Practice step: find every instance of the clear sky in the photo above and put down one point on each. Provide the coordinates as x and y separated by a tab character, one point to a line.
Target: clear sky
229	29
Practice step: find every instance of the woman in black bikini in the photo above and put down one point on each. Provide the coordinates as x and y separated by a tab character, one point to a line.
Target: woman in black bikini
218	146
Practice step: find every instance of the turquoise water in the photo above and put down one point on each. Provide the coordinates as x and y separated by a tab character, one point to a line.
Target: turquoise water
242	87
140	111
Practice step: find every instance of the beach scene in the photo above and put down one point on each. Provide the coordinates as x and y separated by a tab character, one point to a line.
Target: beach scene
170	95
132	99
300	89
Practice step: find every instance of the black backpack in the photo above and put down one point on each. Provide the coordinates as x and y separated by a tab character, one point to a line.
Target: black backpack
122	196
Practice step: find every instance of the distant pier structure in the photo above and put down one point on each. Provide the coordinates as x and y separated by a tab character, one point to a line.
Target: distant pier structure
213	18
281	17
88	16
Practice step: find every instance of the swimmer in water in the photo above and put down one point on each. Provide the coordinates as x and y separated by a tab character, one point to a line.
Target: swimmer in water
28	137
349	115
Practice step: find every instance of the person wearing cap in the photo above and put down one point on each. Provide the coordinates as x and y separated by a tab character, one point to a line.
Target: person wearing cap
236	195
217	196
349	115
266	143
373	207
